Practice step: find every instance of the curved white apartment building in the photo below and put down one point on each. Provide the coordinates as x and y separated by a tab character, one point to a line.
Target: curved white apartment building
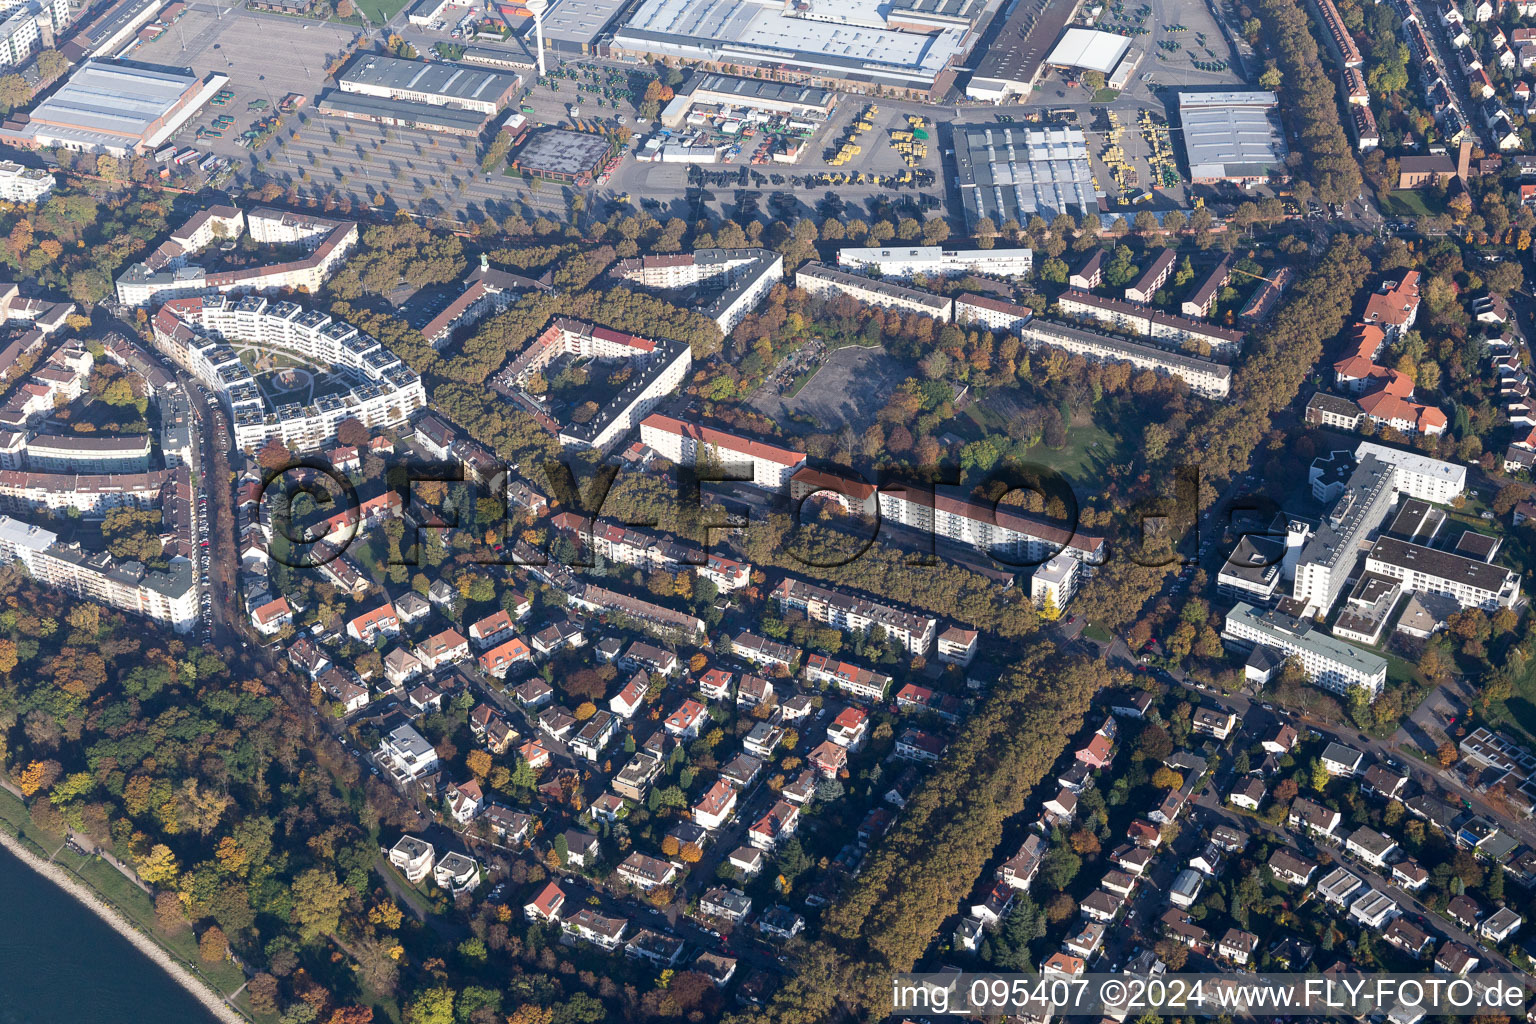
198	332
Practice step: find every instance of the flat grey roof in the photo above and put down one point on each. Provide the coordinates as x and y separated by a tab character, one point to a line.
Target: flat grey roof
579	22
1293	632
1013	172
748	89
334	101
451	81
115	97
1018	49
557	150
1230	134
1441	564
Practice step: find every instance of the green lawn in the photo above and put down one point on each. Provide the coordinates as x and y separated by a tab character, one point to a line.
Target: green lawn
15	815
1094	631
378	11
1409	203
1518	713
1088	449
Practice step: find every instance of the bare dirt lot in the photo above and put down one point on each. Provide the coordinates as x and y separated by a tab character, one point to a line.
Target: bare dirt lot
851	386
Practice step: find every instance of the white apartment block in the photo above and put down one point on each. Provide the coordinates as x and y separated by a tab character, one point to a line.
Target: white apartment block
856	614
1154	277
407	755
197	332
1204	377
1329	663
1149	320
203	228
168	597
167	274
1329	556
20	184
271	226
738	278
825	282
90	496
29	27
684	443
1467	581
993	314
660	367
1013	537
1055	582
1419	476
936	261
84	453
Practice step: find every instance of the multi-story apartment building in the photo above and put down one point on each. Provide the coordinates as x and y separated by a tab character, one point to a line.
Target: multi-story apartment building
167	274
659	367
28	27
854	680
825	282
993	314
168	597
1013	537
406	754
684	444
936	261
856	614
1470	582
20	184
486	291
660	617
1328	558
1154	277
1329	663
1419	476
85	453
196	333
734	280
1149	320
1203	299
1054	583
1211	379
89	495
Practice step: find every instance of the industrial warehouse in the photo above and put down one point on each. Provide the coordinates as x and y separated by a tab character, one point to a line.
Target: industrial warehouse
1006	173
563	156
727	92
114	107
898	47
1231	136
440	85
402	113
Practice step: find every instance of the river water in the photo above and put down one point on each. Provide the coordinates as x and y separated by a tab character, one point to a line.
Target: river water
61	964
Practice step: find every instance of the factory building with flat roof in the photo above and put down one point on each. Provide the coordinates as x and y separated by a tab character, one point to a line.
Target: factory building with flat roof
1013	61
1007	172
574	26
856	45
436	83
562	155
402	113
1231	136
113	107
711	89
